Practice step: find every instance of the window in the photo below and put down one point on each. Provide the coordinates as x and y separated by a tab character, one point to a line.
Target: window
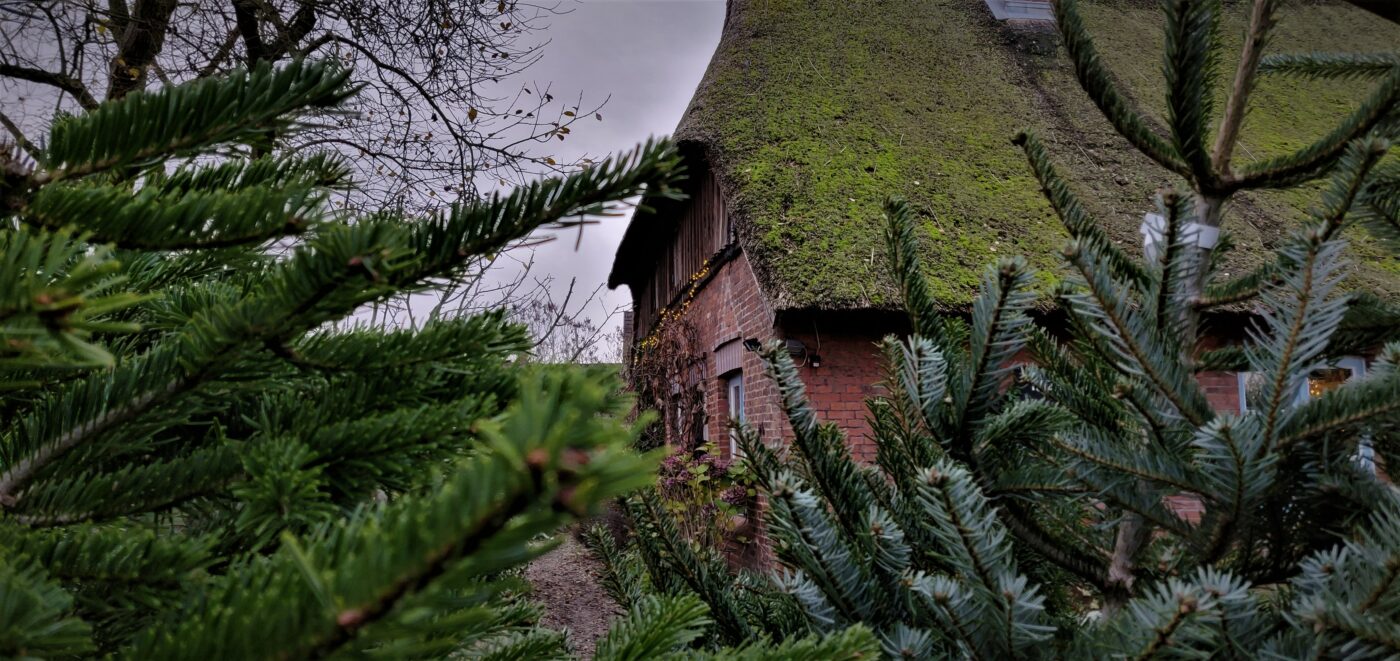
734	392
1318	383
1022	10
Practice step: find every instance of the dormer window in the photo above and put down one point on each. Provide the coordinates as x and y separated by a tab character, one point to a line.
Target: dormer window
1021	10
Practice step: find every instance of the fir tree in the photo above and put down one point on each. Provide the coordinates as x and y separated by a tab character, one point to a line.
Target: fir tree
197	462
201	458
997	525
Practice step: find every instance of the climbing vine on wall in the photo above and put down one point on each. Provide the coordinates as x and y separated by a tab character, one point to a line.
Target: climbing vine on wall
667	373
709	496
668	377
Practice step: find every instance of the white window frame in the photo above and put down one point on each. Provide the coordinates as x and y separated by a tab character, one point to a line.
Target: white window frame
734	395
1365	453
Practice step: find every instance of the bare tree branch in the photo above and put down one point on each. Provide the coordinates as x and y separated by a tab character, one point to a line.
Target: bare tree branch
23	142
68	84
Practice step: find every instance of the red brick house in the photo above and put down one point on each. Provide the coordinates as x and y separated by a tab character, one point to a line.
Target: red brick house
812	112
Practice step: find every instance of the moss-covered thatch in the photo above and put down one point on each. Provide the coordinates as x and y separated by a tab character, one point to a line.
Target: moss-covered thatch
814	111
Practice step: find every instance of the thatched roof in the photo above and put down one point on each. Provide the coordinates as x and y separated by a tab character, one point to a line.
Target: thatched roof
812	112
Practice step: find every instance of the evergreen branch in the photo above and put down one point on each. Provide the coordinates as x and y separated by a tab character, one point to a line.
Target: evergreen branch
1091	447
1224	359
444	242
1331	66
810	596
1072	558
1369	322
351	621
652	628
110	554
907	268
1000	328
151	219
1376	399
191	355
1163	638
1076	219
1360	632
1098	84
621	578
18	473
853	643
553	456
1348	183
323	170
1228	461
1077	377
804	523
1378	209
1307	162
1132	340
532	643
1139	401
964	521
330	276
1391	567
1191	30
440	340
1241	630
822	446
763	460
1240	289
1175	268
1024	423
99	496
372	452
56	289
923	378
948	600
241	106
697	574
1298	322
1174	620
1171	247
34	613
1133	501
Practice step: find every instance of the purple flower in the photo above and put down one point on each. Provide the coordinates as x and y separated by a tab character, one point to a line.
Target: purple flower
734	495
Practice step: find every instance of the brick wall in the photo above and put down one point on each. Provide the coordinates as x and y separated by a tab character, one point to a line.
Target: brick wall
1222	390
731	307
850	367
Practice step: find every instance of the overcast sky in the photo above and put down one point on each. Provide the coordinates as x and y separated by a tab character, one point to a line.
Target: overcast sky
645	56
649	56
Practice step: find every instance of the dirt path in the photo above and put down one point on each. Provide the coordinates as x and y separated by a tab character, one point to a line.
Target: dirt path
566	584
